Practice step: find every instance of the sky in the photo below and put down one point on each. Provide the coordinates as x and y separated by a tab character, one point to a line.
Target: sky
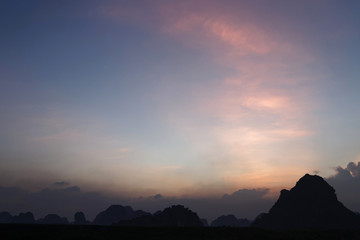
190	100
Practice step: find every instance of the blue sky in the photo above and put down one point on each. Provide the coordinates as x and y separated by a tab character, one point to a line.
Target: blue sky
177	97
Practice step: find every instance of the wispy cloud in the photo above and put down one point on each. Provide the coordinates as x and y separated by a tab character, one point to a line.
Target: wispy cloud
264	103
257	109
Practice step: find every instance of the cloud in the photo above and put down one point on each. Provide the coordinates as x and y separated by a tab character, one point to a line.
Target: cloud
74	189
158	196
354	169
242	39
346	182
61	184
246	194
262	99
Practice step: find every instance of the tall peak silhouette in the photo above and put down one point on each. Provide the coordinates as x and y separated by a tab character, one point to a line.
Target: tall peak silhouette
311	203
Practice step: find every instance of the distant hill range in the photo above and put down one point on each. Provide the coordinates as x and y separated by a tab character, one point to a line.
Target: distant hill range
53	219
230	221
311	204
28	217
116	213
174	216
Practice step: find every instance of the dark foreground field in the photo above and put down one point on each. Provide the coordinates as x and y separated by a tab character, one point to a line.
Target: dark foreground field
20	231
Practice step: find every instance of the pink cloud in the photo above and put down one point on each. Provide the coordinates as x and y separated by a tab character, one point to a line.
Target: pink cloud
266	99
242	40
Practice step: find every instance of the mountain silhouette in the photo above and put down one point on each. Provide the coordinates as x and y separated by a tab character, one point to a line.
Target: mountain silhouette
6	217
24	218
312	203
230	221
116	213
204	222
174	216
53	219
79	219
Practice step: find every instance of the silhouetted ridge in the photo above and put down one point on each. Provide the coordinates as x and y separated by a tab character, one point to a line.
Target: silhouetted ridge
174	216
24	218
79	219
116	213
230	221
6	217
53	219
312	203
204	222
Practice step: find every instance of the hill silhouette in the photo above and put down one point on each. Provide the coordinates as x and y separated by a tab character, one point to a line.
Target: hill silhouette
116	213
24	218
230	221
53	219
174	216
79	219
204	222
6	217
312	203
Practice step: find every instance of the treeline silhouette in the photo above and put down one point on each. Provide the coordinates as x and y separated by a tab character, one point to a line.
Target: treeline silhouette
310	204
